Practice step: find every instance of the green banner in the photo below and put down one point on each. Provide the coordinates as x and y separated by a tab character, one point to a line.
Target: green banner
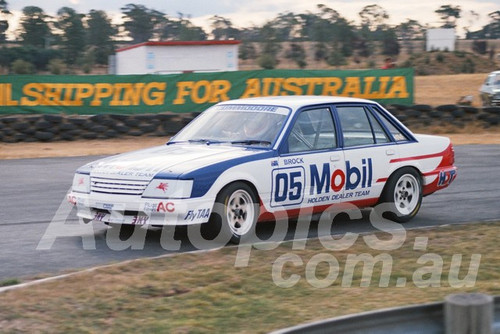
191	92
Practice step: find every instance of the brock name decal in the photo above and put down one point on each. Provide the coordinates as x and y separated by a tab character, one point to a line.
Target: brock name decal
321	183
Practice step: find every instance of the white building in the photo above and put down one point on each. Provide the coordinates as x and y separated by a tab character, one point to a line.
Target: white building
177	56
440	39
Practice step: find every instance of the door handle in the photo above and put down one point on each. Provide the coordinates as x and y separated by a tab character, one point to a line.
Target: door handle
335	157
390	152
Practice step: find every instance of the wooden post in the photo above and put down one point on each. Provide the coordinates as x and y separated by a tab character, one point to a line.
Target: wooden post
468	313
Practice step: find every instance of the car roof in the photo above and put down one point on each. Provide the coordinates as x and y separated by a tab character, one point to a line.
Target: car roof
296	101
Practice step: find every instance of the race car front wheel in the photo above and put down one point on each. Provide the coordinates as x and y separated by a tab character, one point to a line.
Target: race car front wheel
236	211
403	192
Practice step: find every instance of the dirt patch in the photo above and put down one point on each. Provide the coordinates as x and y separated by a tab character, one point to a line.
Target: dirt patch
77	148
115	146
473	134
480	138
437	90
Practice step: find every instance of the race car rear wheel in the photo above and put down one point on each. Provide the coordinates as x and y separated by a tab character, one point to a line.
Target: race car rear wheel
236	211
404	193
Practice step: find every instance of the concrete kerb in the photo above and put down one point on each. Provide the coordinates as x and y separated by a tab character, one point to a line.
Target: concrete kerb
92	269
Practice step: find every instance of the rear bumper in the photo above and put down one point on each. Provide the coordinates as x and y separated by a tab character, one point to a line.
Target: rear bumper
439	179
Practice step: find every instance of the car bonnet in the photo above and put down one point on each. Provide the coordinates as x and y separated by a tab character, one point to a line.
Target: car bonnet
171	159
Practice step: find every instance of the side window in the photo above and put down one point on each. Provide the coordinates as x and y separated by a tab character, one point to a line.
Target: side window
313	130
397	134
378	131
356	128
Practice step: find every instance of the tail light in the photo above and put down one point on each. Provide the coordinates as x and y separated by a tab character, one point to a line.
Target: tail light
449	156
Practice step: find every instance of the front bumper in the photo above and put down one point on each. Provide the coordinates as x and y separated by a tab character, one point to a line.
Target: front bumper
135	210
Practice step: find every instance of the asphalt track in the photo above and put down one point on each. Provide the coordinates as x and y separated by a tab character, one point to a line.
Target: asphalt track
32	191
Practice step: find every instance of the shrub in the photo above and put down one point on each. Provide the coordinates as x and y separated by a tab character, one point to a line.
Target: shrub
87	68
336	58
407	63
468	66
320	52
371	63
267	61
421	70
20	66
480	47
247	51
297	54
57	66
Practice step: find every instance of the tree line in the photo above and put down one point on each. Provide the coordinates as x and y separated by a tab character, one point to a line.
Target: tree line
82	40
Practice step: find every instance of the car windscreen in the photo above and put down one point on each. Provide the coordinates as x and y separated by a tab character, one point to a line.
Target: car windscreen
236	124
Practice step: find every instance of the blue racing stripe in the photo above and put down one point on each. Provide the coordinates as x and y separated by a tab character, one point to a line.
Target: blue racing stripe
206	176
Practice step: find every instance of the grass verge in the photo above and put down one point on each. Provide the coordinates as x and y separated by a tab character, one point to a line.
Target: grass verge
206	293
9	282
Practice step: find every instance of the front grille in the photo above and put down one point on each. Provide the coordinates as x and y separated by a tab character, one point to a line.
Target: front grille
114	186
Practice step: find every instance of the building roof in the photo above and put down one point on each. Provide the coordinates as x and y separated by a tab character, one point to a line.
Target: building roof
179	43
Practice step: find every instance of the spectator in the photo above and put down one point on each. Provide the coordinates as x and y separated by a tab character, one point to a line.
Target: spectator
388	63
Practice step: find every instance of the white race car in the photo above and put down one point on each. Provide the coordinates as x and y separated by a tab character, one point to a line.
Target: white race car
250	160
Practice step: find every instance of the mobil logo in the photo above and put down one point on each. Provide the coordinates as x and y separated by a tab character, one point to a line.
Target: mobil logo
289	184
324	179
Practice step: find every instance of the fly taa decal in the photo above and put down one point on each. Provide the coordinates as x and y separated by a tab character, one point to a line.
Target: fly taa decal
289	186
197	214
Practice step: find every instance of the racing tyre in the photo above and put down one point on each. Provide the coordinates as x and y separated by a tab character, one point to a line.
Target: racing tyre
403	192
235	212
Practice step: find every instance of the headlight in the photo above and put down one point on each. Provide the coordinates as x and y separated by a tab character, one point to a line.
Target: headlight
81	183
165	188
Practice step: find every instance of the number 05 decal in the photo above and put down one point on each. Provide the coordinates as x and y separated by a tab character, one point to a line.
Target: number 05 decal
288	186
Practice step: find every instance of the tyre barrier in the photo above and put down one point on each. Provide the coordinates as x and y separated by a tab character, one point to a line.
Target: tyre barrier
422	115
50	127
45	128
